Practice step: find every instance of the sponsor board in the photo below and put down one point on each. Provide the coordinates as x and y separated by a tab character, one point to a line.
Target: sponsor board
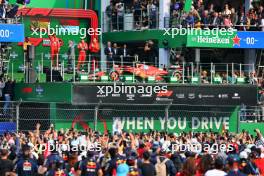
164	93
228	39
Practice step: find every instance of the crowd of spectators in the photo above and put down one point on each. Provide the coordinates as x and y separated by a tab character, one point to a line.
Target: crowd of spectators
201	15
209	16
8	11
145	13
130	154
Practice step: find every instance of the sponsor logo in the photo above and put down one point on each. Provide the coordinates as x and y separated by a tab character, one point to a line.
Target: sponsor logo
165	93
223	96
27	90
205	96
145	91
39	90
191	96
180	96
236	96
212	40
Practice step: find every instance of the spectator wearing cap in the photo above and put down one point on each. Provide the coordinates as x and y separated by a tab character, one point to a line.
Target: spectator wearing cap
6	165
218	171
233	165
122	170
26	166
89	166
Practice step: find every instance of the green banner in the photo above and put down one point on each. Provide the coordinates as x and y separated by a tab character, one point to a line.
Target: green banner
44	92
143	119
217	38
188	5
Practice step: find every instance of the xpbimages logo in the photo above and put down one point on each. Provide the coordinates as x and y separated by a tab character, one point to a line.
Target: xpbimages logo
66	30
104	91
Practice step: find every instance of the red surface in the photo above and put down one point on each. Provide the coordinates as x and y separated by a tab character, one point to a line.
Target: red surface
64	13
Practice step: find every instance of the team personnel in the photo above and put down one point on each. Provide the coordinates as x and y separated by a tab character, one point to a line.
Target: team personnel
54	48
83	47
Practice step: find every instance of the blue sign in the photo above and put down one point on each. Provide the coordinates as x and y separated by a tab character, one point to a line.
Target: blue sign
7	126
249	40
12	33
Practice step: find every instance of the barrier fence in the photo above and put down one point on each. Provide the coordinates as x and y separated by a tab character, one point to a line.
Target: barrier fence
131	69
24	116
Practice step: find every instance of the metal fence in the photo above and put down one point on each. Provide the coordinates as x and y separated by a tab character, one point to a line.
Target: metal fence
130	20
137	118
93	70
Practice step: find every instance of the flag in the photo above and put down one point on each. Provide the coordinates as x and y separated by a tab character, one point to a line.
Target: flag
188	5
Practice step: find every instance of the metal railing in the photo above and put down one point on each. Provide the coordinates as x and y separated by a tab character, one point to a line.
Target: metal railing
134	20
252	114
119	68
180	22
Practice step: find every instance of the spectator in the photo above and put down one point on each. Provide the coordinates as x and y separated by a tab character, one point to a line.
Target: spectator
147	168
242	21
227	21
120	16
8	95
71	55
124	52
215	21
218	171
164	166
2	86
227	11
189	167
190	20
108	51
115	54
6	165
234	16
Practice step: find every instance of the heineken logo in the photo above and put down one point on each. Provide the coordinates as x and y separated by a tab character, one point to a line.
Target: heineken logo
211	40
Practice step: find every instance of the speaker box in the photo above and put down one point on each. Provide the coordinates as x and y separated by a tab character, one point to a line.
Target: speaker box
56	76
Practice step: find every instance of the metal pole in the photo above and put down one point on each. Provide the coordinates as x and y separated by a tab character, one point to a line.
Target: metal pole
133	72
42	62
89	61
183	74
24	63
38	71
93	72
192	71
211	73
74	69
96	117
63	71
17	117
12	71
232	71
57	61
227	73
240	70
166	117
51	78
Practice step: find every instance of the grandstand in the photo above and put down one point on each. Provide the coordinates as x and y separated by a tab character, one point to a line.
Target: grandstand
145	75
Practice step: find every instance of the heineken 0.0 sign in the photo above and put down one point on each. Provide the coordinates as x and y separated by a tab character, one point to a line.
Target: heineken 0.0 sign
225	38
221	38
